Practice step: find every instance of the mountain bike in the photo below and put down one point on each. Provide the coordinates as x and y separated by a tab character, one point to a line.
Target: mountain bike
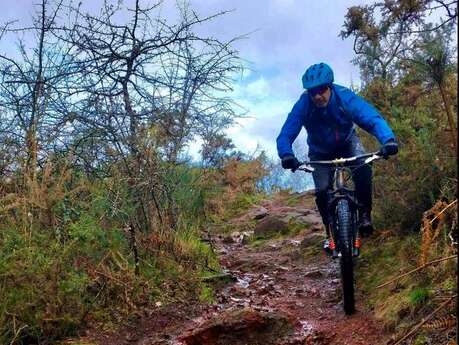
343	212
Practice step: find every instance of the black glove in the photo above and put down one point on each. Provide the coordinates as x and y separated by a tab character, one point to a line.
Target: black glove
389	149
290	162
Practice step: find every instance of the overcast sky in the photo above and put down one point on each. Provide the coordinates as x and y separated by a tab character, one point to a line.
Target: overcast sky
286	36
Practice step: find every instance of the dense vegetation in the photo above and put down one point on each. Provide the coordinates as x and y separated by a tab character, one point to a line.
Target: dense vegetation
69	255
409	69
102	214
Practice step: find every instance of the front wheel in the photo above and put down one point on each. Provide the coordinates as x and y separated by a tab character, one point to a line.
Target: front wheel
345	243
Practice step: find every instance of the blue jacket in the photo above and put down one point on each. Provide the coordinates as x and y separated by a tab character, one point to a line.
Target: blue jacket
331	127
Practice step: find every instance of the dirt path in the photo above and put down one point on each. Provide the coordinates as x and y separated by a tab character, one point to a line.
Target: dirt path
282	293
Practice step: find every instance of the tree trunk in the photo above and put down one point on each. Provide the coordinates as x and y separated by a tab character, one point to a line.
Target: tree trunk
135	252
37	92
32	155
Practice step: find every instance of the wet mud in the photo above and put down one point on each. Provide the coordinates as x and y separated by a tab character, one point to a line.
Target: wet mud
283	291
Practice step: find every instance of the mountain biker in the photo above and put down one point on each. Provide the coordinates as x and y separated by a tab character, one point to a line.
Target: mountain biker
328	112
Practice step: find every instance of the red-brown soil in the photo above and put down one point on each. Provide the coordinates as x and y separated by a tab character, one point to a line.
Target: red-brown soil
278	295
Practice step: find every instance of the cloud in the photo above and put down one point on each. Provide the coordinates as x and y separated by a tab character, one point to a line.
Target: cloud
266	112
286	36
258	88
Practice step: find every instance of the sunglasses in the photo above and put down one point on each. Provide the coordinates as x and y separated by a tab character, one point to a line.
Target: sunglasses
318	90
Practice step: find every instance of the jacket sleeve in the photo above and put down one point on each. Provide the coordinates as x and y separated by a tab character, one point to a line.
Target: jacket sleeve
291	128
368	118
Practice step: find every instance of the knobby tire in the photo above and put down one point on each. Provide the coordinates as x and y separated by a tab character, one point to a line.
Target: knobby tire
344	222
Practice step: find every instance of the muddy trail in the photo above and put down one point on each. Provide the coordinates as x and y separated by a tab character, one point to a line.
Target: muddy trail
281	290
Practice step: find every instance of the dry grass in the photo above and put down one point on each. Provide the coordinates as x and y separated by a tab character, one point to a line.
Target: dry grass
416	275
31	202
434	222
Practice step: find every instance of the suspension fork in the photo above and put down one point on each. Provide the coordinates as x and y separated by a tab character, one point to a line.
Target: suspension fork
340	191
339	178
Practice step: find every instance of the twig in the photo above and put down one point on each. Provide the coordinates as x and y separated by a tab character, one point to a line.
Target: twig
446	207
417	269
17	333
439	213
424	320
111	278
115	260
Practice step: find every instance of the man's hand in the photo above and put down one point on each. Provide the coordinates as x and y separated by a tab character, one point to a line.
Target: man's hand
389	149
290	162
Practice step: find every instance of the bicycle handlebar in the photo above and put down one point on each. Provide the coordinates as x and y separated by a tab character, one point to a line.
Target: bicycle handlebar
369	157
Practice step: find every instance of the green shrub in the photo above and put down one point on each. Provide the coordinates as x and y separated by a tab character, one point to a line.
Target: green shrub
419	296
425	168
189	192
45	294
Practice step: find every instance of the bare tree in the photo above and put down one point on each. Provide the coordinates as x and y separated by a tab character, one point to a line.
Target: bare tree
151	73
148	87
197	75
122	89
33	91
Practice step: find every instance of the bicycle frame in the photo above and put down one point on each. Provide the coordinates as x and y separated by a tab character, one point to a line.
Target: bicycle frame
339	189
342	211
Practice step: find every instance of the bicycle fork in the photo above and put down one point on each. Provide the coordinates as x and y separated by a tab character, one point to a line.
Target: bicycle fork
332	230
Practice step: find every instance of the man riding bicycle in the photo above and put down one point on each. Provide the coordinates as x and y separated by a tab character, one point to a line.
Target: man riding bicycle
328	112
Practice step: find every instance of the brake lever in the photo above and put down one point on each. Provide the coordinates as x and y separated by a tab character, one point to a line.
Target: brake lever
372	158
305	167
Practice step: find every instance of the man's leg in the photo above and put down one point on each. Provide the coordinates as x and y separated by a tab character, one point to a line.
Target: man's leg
363	177
363	189
322	179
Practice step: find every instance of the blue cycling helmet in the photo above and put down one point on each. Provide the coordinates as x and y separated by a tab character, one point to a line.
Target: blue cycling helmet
317	75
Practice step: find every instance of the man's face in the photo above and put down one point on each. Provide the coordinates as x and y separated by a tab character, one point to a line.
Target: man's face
320	96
